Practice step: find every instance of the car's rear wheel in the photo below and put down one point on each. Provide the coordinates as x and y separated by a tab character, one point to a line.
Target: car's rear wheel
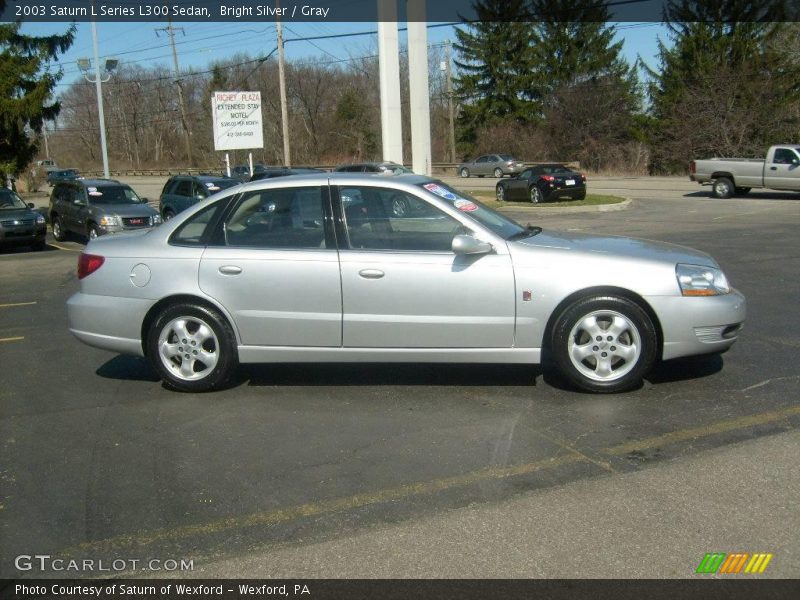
536	195
581	196
465	172
498	172
722	188
500	193
604	344
192	347
58	229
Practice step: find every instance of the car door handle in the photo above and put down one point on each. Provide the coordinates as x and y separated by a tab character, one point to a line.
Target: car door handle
230	270
371	273
773	168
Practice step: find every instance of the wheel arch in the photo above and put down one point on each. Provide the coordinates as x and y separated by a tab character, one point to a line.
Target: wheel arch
720	174
154	311
547	340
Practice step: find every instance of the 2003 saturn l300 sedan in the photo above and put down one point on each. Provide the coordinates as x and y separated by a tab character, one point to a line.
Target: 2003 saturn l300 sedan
321	268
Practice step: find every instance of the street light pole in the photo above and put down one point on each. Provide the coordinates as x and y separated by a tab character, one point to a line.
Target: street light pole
99	89
287	159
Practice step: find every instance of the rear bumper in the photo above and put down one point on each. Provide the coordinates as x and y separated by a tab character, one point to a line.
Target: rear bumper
567	191
108	322
705	325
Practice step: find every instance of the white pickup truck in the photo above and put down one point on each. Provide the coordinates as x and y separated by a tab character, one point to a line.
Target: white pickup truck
729	176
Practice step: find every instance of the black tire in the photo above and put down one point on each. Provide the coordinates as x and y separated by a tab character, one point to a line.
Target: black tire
498	172
583	359
464	172
581	196
535	195
500	193
742	191
220	346
59	233
168	214
722	188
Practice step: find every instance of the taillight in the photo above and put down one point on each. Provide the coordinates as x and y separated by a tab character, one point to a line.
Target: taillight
548	178
583	176
88	264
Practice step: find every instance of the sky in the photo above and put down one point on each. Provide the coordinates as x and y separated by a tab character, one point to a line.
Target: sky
199	44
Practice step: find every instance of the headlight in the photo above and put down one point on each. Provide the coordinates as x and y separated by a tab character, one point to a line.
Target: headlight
40	219
156	219
695	280
110	221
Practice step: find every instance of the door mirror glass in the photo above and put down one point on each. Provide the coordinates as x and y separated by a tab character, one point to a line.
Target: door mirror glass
466	244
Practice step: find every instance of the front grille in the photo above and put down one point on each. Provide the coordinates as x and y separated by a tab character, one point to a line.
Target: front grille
17	222
136	222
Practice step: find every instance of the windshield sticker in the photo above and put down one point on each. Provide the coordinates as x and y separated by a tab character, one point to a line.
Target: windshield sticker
93	192
440	191
92	189
213	188
465	205
209	185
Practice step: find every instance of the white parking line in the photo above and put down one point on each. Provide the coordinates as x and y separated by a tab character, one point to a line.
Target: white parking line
63	248
12	339
16	304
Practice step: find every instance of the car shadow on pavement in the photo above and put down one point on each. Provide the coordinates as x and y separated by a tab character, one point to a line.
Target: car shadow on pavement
26	250
750	196
128	368
360	374
682	369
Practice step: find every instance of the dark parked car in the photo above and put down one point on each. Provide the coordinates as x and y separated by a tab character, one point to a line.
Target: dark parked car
542	183
20	225
94	207
182	191
270	172
240	172
491	164
54	177
374	167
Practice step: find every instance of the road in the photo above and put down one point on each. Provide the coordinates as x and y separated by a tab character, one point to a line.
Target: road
99	461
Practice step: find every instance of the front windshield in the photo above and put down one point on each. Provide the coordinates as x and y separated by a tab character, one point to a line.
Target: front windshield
116	194
9	200
492	220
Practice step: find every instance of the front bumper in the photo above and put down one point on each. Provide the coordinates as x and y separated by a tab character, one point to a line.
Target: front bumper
23	236
699	325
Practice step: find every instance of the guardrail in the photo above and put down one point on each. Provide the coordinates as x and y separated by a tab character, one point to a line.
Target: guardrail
168	172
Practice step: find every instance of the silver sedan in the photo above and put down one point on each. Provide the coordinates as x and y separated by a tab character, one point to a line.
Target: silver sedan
497	165
320	268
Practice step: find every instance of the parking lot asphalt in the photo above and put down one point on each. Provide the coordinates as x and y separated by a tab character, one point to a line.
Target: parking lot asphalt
99	461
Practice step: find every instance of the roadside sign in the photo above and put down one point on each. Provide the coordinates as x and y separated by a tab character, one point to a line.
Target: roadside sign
237	120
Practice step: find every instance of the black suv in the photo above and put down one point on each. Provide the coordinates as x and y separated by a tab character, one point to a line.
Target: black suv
182	191
93	207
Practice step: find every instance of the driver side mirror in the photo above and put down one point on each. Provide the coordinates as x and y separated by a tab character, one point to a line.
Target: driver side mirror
466	244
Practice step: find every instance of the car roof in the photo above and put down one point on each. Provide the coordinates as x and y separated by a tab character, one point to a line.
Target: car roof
97	182
336	179
213	178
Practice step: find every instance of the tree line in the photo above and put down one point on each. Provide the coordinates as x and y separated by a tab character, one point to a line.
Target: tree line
543	88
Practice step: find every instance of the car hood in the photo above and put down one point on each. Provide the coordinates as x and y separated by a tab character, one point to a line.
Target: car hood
17	214
618	247
126	210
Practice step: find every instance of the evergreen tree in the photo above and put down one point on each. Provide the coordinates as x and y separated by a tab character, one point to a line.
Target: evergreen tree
723	88
494	67
590	95
26	85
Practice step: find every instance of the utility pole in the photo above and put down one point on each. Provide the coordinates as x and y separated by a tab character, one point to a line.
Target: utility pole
170	30
44	134
448	47
419	93
287	159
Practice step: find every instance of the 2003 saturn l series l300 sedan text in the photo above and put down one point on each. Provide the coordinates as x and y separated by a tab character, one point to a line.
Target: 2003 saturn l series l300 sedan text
321	268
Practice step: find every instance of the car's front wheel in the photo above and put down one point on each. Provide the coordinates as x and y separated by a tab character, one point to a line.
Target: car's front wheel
604	344
192	347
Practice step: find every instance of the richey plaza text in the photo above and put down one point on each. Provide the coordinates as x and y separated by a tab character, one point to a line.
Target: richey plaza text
165	590
226	11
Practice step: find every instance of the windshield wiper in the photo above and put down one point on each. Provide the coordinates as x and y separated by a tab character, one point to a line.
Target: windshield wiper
529	231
